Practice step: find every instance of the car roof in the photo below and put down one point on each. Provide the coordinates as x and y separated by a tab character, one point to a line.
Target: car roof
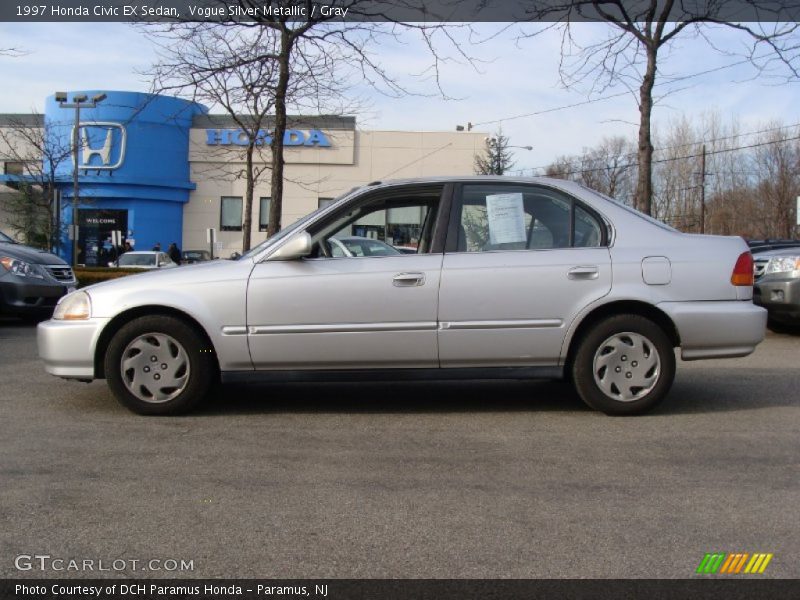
471	179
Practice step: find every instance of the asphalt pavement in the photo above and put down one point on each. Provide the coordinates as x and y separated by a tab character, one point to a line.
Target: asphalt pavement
420	480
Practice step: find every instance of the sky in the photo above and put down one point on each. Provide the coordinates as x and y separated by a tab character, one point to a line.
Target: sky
508	77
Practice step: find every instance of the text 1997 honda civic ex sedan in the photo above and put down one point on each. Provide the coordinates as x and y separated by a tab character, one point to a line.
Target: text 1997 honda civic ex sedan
512	278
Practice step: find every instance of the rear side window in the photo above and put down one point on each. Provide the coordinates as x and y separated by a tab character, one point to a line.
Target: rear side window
515	217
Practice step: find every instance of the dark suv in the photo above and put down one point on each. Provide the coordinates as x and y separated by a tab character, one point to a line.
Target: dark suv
31	280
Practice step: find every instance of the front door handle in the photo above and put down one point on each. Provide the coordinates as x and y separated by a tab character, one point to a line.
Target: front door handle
408	279
584	272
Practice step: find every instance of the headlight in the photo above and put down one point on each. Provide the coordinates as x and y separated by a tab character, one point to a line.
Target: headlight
20	267
73	307
783	264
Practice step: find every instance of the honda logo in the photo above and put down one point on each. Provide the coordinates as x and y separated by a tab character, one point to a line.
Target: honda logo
101	145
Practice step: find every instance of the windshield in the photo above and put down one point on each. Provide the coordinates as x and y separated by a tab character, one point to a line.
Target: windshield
5	238
294	226
137	260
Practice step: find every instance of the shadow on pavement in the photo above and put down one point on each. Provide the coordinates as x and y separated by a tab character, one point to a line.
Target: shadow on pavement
707	391
393	397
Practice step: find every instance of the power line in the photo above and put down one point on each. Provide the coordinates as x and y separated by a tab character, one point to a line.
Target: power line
415	161
617	95
684	145
687	156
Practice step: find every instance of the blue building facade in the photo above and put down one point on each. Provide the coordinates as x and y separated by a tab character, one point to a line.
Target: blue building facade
133	172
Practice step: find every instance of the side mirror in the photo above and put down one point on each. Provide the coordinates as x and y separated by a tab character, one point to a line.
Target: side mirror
297	246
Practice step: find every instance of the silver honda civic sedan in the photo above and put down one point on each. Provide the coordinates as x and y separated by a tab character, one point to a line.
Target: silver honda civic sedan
511	278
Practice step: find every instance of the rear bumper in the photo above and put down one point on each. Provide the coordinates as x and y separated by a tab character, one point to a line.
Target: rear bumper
720	329
68	347
780	297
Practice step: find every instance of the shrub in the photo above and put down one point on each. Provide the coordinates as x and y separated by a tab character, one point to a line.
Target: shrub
89	275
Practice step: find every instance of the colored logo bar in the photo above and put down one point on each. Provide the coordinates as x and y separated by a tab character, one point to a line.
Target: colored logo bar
733	563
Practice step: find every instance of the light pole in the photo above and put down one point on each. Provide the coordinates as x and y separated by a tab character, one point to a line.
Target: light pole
493	141
79	101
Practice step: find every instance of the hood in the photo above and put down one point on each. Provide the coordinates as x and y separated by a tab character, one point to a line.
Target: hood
215	270
793	251
30	255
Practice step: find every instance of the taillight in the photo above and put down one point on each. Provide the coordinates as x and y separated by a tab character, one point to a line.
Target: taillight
743	270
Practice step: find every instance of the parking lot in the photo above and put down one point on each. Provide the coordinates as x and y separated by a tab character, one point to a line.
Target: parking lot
466	480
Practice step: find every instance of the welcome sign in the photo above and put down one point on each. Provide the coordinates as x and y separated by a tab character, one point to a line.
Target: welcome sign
292	137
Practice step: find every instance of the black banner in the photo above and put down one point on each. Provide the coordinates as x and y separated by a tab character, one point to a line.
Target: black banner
763	11
731	588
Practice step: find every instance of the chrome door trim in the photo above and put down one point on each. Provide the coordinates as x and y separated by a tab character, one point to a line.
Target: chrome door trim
504	324
341	328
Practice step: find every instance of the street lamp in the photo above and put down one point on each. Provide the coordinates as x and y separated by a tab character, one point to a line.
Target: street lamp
492	143
79	101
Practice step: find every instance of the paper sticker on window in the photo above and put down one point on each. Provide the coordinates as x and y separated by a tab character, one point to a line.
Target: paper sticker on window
506	218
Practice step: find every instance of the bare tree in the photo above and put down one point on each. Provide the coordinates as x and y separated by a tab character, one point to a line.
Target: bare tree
639	34
209	63
321	50
607	168
36	152
777	165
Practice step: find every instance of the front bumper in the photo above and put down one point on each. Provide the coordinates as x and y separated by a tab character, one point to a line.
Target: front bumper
68	347
24	296
717	329
781	297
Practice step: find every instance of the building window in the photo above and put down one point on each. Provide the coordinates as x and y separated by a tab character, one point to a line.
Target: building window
14	168
230	213
263	213
323	202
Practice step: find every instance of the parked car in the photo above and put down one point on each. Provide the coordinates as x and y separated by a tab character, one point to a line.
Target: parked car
145	259
777	284
189	257
757	246
31	280
514	278
359	246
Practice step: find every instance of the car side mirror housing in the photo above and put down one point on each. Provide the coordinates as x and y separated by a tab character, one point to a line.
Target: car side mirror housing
297	246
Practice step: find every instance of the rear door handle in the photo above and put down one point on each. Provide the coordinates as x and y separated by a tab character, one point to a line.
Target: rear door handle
408	279
584	272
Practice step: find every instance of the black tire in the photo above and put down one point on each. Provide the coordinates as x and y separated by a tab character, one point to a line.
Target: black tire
186	352
659	370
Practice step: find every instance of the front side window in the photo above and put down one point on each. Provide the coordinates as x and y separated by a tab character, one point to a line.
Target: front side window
515	217
393	226
230	213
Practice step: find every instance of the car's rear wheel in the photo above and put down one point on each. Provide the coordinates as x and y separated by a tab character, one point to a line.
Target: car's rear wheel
159	366
625	365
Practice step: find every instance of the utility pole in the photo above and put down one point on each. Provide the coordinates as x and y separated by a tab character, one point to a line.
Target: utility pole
703	190
79	101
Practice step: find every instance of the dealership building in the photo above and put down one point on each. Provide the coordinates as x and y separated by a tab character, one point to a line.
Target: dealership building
161	169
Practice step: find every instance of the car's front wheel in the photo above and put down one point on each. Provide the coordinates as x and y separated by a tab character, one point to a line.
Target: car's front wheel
158	365
624	365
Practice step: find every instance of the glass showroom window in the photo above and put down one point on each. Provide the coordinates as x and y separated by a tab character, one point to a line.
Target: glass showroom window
230	218
263	213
